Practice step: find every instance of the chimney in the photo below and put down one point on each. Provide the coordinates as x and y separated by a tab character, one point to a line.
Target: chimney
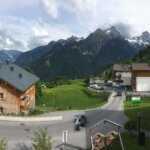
12	68
20	75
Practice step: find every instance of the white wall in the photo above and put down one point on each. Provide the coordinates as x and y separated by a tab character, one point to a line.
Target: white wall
143	84
126	77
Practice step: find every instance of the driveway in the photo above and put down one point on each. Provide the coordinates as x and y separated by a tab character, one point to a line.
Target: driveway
18	134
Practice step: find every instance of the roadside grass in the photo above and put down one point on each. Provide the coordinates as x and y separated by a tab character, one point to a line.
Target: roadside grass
130	142
131	111
67	97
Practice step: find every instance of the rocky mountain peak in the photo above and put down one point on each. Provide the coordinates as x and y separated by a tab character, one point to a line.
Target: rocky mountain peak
146	36
146	33
11	55
144	39
73	39
113	32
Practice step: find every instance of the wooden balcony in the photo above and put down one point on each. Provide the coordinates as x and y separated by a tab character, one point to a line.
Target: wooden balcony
26	100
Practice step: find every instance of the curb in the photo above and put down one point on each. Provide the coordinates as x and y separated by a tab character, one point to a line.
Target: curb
30	119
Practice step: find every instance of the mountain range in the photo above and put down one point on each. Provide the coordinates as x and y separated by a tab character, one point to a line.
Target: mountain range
140	42
80	57
11	55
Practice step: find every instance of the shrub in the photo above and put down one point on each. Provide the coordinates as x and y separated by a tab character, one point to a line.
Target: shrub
3	144
41	140
22	114
38	92
87	81
61	108
35	111
91	93
128	98
69	107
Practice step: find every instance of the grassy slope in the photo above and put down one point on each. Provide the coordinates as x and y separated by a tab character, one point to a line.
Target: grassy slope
69	95
131	112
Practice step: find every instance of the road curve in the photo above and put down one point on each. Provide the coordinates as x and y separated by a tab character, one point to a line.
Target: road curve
19	134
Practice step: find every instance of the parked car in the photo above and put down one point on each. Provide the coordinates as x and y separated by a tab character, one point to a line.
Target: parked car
94	86
102	87
97	86
79	121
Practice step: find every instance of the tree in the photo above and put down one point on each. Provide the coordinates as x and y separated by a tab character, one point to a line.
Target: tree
87	81
38	91
3	144
41	140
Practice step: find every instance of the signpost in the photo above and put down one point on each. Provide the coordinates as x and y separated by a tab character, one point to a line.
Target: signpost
136	100
64	138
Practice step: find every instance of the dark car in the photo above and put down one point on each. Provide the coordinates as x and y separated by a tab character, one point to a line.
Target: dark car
119	93
80	120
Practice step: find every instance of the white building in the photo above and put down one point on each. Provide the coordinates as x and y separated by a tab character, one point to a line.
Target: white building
123	73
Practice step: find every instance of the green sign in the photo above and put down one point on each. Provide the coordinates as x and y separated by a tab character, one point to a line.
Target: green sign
136	100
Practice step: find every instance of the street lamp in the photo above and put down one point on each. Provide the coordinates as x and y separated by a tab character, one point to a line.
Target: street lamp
139	123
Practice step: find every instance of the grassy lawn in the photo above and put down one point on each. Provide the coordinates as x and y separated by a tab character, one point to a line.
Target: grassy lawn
131	112
66	97
130	142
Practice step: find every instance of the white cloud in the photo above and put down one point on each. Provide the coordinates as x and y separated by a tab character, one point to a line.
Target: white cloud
8	40
39	32
50	7
31	23
92	14
43	37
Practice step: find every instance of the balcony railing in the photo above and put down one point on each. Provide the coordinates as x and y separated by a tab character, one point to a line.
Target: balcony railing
26	100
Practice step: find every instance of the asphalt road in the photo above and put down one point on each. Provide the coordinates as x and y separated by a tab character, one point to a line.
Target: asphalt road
19	134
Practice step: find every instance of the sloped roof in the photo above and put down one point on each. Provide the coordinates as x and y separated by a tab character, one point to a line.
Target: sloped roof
122	67
141	66
17	77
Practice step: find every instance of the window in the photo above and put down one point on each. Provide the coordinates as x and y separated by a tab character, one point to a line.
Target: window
1	110
1	95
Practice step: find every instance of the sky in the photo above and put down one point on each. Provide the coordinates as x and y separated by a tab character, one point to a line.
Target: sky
26	24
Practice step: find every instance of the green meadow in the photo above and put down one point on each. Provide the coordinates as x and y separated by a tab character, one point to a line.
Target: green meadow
71	97
131	111
130	142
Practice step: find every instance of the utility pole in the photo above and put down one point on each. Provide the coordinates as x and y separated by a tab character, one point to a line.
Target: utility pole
53	99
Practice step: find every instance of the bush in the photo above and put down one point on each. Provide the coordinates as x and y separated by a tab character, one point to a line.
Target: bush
61	108
131	126
41	140
22	114
3	144
38	91
69	107
128	98
35	111
87	81
102	95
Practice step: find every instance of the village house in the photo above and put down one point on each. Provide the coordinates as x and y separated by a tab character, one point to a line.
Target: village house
141	77
123	73
136	75
17	89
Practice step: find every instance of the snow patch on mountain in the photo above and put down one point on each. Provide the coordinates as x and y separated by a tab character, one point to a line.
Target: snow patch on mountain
140	42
